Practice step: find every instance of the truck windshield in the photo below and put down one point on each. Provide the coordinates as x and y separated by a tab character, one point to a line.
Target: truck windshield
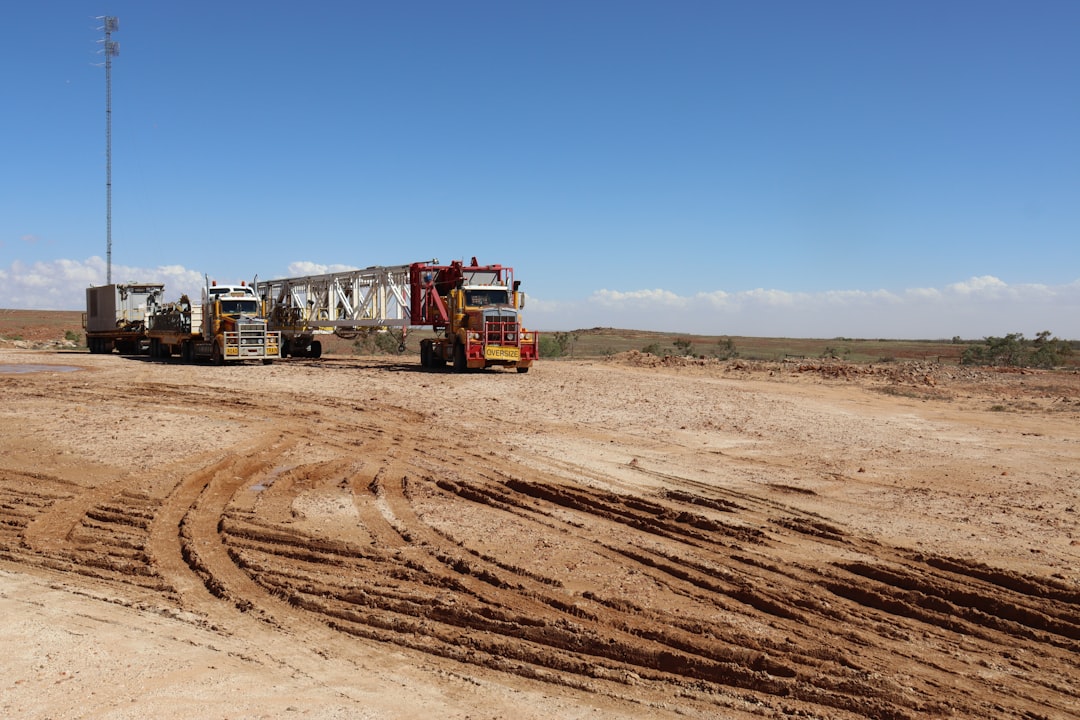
240	307
486	296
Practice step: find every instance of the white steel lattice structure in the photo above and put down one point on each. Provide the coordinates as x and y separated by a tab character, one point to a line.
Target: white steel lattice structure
368	298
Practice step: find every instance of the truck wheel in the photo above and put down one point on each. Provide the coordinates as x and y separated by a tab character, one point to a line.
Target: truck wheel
217	357
316	350
461	364
187	351
425	355
523	369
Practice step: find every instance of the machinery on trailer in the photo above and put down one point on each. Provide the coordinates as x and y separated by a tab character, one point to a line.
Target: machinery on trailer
229	325
473	309
116	316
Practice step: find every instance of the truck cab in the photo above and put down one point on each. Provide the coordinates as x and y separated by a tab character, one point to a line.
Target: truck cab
476	309
233	319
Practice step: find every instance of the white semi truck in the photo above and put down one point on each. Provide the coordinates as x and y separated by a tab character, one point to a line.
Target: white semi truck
228	326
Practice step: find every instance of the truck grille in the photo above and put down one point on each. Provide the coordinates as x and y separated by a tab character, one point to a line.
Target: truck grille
501	328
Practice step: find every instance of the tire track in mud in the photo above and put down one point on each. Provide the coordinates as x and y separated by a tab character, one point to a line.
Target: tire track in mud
388	533
746	619
101	532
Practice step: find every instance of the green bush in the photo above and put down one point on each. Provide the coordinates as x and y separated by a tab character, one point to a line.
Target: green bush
726	350
1014	350
685	347
549	348
557	344
373	341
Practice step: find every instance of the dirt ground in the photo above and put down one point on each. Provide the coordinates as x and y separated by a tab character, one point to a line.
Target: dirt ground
626	537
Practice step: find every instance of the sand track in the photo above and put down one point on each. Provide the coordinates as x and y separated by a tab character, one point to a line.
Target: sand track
693	541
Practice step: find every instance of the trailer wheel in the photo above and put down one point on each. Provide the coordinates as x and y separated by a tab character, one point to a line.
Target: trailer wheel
187	351
316	350
522	369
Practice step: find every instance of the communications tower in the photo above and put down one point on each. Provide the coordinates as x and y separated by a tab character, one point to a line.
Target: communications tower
111	50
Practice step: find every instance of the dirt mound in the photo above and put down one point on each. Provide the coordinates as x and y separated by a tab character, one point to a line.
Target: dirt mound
635	358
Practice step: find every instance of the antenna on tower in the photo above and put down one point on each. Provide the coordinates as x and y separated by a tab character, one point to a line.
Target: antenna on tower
111	49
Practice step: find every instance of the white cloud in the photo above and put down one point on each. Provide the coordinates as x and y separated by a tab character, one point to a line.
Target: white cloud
61	284
973	308
614	298
303	268
983	285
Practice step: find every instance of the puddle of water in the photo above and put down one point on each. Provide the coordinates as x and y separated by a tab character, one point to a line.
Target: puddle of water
269	479
22	369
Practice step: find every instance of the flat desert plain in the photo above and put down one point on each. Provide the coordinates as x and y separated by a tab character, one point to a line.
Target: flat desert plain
354	537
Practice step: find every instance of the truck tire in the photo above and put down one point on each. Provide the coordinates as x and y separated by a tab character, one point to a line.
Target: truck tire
316	350
461	363
187	351
425	355
522	369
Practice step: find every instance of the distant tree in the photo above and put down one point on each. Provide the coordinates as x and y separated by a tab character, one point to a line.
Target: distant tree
557	344
685	347
1014	350
1048	351
652	349
549	348
726	350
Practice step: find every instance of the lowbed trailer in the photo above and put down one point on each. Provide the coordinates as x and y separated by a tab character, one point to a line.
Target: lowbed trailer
474	310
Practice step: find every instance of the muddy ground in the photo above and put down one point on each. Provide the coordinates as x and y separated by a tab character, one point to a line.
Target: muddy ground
627	537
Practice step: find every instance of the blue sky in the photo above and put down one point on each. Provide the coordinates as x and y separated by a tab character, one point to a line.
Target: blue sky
772	168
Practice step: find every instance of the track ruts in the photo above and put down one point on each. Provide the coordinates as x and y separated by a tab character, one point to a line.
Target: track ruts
709	602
